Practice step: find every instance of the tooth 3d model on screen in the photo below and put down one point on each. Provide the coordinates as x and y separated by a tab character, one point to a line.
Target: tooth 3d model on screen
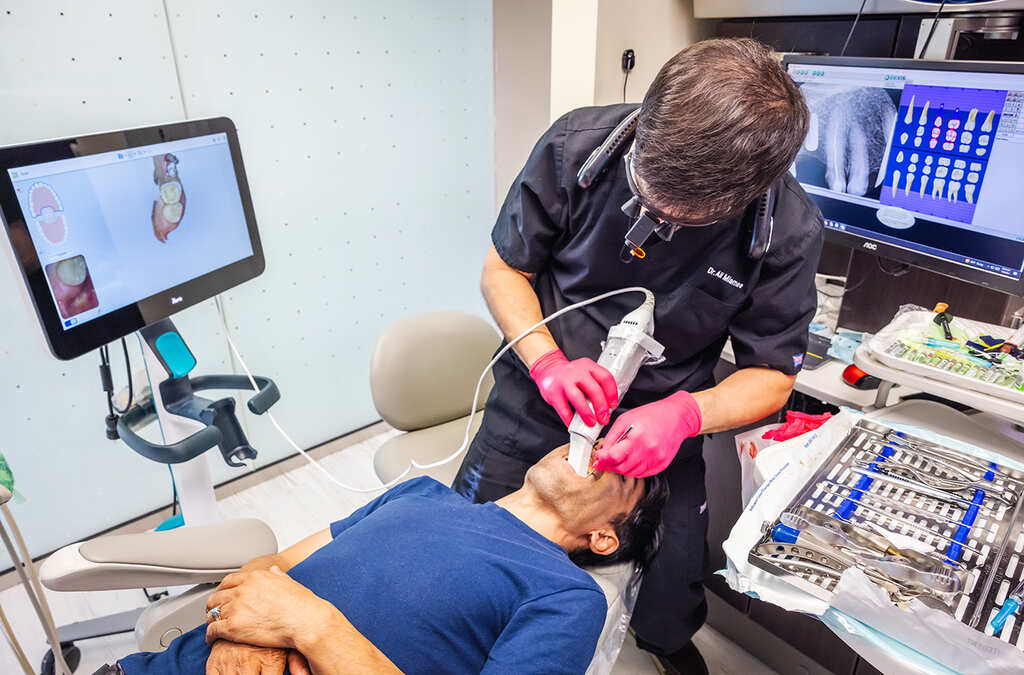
169	206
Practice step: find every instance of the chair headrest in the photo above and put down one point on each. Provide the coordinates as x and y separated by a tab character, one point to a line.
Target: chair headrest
424	368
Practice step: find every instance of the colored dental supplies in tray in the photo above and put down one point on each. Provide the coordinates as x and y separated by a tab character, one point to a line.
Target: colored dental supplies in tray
909	343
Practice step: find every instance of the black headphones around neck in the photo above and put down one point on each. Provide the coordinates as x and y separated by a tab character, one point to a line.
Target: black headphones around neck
758	217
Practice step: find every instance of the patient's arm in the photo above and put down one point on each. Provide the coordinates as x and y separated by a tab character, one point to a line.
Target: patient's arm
269	609
337	648
291	556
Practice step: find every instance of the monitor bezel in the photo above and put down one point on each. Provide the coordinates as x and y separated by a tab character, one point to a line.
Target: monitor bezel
892	251
87	336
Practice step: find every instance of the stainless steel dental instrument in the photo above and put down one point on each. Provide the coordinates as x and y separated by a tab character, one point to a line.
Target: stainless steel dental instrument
899	469
895	504
917	487
868	539
971	537
991	576
912	525
926	448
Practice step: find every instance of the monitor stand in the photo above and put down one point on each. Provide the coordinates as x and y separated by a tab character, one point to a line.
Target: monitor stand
190	425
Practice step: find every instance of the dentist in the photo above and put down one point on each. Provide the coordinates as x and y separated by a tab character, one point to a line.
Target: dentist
720	124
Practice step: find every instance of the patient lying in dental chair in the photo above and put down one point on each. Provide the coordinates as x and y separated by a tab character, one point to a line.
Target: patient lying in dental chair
423	581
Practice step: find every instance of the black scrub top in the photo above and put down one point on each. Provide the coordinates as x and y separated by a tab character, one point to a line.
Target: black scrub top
706	288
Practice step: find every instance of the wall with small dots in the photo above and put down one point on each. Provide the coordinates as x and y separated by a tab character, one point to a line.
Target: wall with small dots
367	132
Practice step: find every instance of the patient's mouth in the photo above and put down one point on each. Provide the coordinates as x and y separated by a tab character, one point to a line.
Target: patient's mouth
592	473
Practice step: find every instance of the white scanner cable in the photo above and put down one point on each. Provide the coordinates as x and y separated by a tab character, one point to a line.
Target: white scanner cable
472	412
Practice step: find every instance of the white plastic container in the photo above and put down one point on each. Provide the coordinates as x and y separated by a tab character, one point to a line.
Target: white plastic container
913	325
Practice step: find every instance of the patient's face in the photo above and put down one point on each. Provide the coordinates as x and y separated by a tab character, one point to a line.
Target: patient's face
584	502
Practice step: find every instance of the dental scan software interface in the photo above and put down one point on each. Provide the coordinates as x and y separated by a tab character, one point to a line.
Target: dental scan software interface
927	160
114	228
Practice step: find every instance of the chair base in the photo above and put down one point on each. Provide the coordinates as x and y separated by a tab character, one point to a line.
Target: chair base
112	624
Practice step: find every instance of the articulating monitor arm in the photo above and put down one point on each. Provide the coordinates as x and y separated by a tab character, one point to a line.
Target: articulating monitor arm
222	426
176	394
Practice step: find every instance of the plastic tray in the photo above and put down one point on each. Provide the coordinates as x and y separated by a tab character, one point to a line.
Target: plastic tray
912	325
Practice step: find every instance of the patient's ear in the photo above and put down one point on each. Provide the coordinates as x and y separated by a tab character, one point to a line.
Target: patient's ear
603	541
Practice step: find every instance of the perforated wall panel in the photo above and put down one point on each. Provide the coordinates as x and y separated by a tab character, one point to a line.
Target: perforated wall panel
367	129
367	133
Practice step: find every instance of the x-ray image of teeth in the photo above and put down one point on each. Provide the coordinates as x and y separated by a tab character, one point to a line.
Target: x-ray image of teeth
848	136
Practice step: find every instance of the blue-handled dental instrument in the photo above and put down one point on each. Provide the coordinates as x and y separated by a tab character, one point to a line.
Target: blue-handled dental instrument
1010	607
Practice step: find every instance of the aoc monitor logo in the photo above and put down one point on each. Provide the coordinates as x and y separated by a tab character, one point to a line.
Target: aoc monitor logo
871	246
175	299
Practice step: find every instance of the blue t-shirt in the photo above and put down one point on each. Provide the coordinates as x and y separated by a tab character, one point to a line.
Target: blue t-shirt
440	585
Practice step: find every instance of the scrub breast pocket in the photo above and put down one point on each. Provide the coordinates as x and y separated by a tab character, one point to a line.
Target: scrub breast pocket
700	316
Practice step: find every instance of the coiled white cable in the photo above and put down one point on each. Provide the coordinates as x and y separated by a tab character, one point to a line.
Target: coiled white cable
476	394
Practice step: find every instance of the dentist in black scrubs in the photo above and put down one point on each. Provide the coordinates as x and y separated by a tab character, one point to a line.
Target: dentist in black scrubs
720	125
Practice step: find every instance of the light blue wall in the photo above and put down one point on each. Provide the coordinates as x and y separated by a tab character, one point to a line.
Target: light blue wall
367	132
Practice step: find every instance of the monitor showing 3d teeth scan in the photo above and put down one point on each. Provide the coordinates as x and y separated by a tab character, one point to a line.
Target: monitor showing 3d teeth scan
919	161
114	231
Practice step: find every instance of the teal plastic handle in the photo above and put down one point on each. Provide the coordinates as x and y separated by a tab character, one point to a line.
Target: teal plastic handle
1009	608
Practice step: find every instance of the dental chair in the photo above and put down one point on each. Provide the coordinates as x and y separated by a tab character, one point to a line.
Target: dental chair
423	372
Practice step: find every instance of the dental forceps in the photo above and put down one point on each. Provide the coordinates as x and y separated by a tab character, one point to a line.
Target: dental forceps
895	504
901	470
893	573
898	593
929	451
908	523
916	486
864	538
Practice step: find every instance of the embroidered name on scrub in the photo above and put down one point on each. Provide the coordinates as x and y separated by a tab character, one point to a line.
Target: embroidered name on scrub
719	274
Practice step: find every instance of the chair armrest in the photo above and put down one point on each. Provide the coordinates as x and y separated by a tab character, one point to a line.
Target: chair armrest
187	555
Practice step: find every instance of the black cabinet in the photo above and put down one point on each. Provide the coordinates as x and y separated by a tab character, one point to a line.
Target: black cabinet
874	36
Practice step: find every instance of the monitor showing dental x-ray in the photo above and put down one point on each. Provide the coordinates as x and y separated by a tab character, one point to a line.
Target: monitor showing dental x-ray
919	161
114	231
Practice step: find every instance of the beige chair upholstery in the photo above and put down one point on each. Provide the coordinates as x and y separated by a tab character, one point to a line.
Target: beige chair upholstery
423	372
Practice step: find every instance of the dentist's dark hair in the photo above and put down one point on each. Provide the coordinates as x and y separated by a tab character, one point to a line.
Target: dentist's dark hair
639	531
721	122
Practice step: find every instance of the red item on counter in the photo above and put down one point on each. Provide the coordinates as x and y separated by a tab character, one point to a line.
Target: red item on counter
796	423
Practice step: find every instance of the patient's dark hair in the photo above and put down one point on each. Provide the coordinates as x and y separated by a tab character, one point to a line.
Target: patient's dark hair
639	531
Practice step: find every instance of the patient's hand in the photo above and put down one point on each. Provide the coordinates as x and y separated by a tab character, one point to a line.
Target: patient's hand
231	658
265	608
269	609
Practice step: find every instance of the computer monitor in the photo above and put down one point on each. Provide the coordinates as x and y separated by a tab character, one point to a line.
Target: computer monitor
114	231
919	161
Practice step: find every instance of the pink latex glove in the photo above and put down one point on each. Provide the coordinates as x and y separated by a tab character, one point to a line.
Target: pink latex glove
796	423
656	431
588	387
